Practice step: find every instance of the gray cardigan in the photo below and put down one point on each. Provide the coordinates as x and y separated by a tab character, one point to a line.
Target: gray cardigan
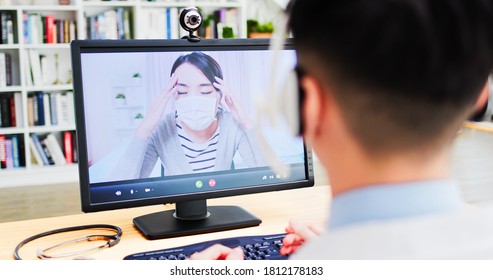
164	143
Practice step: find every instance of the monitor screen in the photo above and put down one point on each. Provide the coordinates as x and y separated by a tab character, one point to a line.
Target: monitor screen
169	121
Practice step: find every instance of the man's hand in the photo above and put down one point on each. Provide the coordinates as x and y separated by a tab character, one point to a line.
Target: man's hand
297	235
219	252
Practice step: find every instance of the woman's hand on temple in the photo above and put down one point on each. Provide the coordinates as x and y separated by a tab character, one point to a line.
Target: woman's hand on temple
233	103
156	111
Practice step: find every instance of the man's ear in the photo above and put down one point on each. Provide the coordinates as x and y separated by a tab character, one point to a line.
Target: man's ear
312	106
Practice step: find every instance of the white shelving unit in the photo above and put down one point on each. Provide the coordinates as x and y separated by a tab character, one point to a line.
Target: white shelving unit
78	10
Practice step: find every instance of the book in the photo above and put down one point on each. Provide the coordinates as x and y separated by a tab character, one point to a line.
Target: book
13	120
30	111
7	28
3	69
35	66
64	112
174	26
53	108
3	155
8	69
47	152
46	109
15	151
28	72
35	152
39	149
55	149
5	109
75	155
9	158
67	147
126	24
49	23
19	119
70	108
41	111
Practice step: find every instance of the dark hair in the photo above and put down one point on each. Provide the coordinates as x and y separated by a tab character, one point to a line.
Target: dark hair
406	72
203	62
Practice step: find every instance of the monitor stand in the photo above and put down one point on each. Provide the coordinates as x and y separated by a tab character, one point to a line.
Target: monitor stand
194	217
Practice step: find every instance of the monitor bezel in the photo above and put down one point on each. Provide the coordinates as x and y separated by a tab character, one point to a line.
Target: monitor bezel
79	47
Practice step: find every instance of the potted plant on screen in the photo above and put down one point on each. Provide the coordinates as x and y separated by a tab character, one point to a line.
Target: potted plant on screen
120	99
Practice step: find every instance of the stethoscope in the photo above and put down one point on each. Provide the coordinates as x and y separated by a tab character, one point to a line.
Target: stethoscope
111	240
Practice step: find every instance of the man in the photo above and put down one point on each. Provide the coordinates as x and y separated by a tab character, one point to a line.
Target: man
388	84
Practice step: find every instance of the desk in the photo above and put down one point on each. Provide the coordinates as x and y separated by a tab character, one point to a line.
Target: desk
275	209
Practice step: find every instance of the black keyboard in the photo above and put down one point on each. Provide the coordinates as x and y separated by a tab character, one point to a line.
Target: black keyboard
264	247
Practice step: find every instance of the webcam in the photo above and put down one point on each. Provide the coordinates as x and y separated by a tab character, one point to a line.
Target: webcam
191	19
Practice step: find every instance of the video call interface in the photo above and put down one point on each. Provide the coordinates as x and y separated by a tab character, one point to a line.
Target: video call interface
185	120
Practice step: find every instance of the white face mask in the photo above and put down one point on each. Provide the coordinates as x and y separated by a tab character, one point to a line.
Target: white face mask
197	112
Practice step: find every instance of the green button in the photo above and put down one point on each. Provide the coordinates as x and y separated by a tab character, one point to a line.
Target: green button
199	184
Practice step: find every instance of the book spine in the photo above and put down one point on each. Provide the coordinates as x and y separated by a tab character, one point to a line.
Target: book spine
3	70
3	25
39	149
50	21
66	31
25	27
35	110
48	154
3	155
67	146
13	115
10	30
41	111
64	110
18	109
30	111
75	155
8	154
8	69
46	109
15	151
22	152
53	108
5	105
72	32
34	152
55	149
43	30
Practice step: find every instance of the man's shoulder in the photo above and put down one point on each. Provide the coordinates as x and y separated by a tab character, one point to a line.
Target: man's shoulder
464	235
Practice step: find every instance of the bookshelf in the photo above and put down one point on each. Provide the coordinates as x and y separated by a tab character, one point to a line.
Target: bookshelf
24	45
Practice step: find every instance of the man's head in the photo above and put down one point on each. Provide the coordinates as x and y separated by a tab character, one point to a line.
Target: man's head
403	73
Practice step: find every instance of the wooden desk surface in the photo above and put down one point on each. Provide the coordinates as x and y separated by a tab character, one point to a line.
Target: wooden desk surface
309	205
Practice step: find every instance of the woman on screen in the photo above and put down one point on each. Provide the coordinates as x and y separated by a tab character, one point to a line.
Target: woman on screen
200	136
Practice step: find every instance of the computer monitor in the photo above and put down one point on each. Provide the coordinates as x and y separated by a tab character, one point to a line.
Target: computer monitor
170	121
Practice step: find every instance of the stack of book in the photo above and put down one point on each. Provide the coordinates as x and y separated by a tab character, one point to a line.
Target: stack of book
7	27
50	109
160	23
42	68
111	24
5	69
47	150
12	152
39	29
11	109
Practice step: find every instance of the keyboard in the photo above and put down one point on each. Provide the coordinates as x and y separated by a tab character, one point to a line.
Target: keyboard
263	247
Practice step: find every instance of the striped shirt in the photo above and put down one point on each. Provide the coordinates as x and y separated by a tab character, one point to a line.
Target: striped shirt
201	156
